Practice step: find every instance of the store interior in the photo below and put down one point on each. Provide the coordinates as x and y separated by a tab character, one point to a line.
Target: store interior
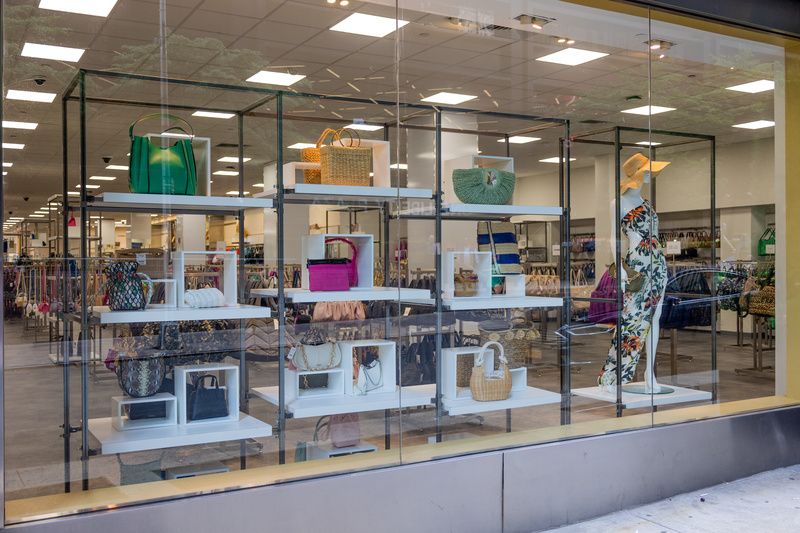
430	88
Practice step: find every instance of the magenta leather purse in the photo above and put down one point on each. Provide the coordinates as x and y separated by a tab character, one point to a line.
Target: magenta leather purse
334	274
604	312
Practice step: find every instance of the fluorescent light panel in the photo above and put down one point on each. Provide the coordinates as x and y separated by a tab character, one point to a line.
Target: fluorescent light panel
648	143
520	139
88	186
269	77
236	193
755	125
213	114
13	146
8	165
754	87
34	215
369	25
449	98
300	146
47	51
73	193
571	57
31	96
648	110
103	178
258	185
232	159
96	8
117	167
553	160
12	124
226	173
364	127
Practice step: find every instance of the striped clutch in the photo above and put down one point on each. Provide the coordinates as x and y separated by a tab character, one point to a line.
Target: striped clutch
500	238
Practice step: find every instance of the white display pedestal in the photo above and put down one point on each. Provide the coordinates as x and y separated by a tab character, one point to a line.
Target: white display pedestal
635	401
314	248
121	422
478	262
387	355
182	376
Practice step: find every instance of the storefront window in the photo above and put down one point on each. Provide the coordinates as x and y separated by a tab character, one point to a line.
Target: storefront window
287	239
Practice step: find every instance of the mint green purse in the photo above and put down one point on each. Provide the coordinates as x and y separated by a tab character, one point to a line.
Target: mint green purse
484	185
157	169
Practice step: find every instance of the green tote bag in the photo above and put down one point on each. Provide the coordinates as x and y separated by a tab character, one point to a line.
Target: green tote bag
157	169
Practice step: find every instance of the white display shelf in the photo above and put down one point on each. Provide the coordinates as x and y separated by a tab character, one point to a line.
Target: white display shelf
527	397
136	440
163	313
342	194
355	294
632	400
307	407
509	210
501	302
178	201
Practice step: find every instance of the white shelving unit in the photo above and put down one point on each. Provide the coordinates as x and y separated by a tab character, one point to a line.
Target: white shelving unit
355	294
231	387
631	400
503	210
121	422
136	440
501	302
307	407
179	201
163	313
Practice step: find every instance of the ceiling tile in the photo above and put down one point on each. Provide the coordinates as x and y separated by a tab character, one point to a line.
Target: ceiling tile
309	15
281	32
139	11
244	8
213	21
269	49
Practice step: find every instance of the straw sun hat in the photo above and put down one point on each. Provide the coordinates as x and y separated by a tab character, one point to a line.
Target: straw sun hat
634	169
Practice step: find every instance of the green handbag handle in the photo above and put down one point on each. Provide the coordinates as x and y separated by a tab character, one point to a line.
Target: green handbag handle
161	115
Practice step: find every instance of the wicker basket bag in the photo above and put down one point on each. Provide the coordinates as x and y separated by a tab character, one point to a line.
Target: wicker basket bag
344	162
489	385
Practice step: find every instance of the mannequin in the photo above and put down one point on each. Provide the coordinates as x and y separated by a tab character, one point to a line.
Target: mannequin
642	309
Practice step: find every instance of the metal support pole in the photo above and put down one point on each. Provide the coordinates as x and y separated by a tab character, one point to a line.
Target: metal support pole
566	310
438	262
243	381
281	296
84	344
714	369
618	261
65	300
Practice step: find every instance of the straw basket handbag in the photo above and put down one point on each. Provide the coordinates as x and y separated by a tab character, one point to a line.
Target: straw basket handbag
489	385
342	162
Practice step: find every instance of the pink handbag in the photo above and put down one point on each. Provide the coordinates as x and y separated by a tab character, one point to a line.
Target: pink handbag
345	430
334	274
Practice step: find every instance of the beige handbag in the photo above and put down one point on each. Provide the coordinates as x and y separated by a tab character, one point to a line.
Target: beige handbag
344	164
494	384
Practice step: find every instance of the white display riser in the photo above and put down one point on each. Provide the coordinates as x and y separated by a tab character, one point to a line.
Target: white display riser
231	385
181	259
488	210
502	302
387	355
415	396
528	397
313	247
294	378
347	194
174	202
163	313
136	440
632	400
353	295
325	450
121	422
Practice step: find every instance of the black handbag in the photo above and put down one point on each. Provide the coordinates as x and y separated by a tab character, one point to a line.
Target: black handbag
207	402
140	411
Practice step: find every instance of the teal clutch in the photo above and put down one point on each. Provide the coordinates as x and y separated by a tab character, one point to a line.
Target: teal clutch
484	185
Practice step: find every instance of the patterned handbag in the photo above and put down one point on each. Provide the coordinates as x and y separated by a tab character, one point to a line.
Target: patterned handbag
500	238
127	291
484	185
141	373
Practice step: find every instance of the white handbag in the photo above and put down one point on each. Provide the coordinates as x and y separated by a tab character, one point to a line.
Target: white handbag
309	357
210	297
370	377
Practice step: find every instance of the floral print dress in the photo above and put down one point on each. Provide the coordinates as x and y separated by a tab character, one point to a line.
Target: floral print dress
639	307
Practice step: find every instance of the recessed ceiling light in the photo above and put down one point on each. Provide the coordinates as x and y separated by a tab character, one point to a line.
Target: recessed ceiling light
300	146
553	160
8	165
449	98
364	127
96	217
754	87
13	146
34	215
73	193
213	114
520	139
648	143
226	173
232	159
399	166
16	219
88	186
41	212
102	178
236	193
571	56
369	25
269	77
258	185
46	51
648	110
117	167
31	96
755	125
11	124
97	8
5	173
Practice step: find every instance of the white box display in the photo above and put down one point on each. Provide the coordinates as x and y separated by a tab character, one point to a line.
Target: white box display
229	285
314	248
294	380
387	354
121	422
183	376
478	262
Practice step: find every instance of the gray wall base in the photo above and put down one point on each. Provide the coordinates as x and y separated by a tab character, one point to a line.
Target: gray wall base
521	490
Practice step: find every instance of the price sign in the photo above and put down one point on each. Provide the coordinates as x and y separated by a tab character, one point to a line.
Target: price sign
556	250
673	247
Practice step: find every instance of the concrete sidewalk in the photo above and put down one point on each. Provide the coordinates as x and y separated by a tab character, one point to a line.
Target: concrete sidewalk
764	503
